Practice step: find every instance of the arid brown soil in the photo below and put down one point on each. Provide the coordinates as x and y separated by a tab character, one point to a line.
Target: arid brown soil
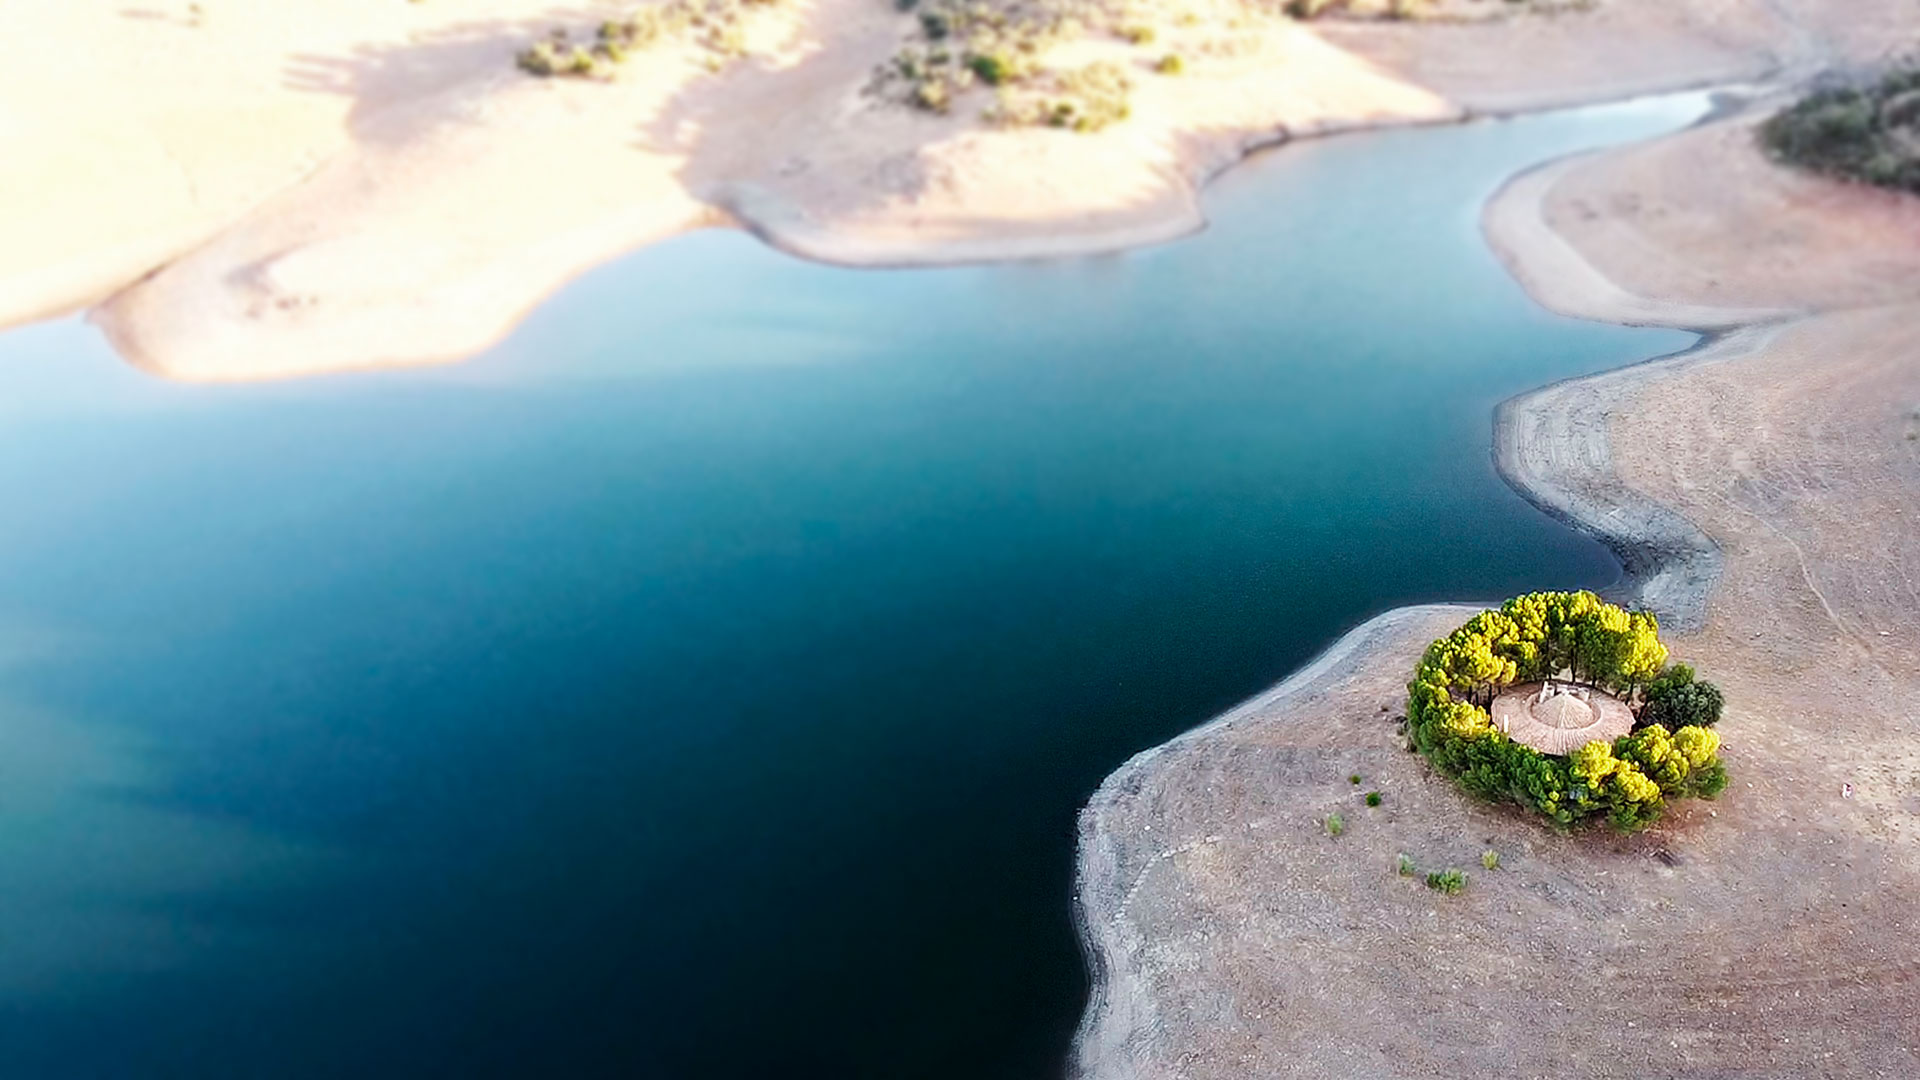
1771	933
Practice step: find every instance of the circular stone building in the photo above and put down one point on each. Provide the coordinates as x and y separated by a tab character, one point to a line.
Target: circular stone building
1559	718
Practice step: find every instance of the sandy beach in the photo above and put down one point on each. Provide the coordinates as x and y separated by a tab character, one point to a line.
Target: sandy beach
239	194
1762	491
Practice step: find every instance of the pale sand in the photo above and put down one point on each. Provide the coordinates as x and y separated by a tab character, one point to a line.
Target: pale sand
1768	934
328	184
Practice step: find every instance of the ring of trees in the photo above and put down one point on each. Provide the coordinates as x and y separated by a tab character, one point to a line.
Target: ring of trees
1672	753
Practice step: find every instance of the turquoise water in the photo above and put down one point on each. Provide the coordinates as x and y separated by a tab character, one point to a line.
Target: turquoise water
703	682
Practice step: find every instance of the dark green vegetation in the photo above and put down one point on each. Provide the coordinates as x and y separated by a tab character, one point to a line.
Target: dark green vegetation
1540	635
1373	798
1449	881
1676	700
1866	133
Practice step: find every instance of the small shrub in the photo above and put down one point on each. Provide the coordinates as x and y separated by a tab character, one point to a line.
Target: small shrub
1336	824
1404	865
1354	779
1171	64
992	68
1866	133
538	60
1138	35
933	96
721	27
1690	704
578	62
1311	9
1096	97
1373	798
1490	860
1449	881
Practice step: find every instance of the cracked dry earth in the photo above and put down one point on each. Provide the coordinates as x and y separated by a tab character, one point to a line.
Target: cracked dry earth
1771	933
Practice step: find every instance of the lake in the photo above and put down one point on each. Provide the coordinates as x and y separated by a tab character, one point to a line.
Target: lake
703	682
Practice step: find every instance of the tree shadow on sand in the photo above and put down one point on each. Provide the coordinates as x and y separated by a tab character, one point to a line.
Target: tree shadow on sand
399	87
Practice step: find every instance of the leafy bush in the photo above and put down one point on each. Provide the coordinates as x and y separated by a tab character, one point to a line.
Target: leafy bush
1373	798
1404	865
1865	133
993	68
1336	824
1490	859
1676	700
1354	779
1534	636
1170	64
1449	881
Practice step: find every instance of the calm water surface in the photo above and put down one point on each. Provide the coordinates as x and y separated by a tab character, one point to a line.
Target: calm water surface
703	683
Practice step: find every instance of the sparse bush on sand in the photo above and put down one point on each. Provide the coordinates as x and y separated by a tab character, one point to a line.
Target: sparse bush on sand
1011	47
1868	133
716	27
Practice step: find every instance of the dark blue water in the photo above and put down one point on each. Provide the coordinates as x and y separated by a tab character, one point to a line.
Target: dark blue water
703	683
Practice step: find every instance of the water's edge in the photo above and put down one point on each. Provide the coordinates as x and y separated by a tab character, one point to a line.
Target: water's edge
1552	446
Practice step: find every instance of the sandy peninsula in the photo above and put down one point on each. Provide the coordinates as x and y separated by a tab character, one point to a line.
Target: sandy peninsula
243	191
1765	491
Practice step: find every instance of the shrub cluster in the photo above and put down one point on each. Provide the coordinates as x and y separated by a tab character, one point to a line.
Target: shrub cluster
717	27
1866	133
960	45
1676	700
1538	636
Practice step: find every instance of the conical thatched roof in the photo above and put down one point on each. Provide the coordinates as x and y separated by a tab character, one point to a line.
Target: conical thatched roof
1561	720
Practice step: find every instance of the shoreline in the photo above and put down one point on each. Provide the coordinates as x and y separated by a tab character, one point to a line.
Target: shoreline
1556	447
126	317
1551	446
1112	1020
418	220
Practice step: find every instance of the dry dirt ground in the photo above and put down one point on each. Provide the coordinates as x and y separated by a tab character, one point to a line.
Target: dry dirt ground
1771	933
258	191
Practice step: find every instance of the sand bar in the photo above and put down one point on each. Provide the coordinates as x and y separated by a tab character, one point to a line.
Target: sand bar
330	184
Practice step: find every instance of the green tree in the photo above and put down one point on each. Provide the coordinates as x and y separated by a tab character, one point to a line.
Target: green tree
1633	800
1696	704
1539	634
